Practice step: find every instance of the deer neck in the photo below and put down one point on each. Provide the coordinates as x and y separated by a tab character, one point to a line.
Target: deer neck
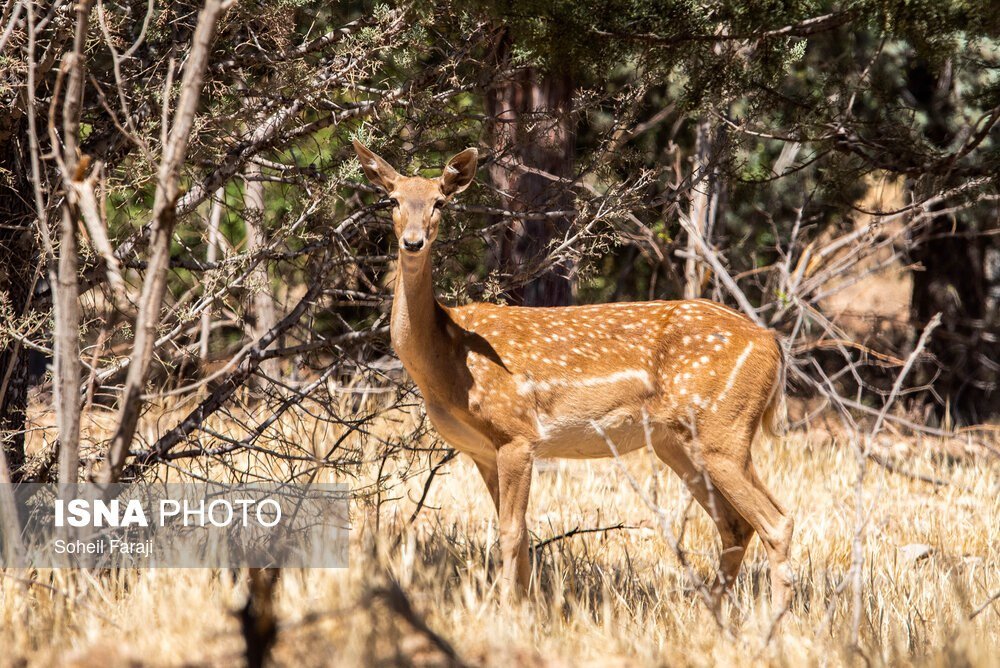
419	325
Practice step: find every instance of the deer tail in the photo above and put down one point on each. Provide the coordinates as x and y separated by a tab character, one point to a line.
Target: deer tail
775	416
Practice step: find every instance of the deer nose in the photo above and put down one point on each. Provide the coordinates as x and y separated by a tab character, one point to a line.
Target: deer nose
413	246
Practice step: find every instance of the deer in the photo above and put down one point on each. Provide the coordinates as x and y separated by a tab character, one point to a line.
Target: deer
506	385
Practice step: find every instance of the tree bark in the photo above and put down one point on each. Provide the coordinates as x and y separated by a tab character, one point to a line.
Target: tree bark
214	218
18	271
66	337
258	618
703	205
10	525
66	380
533	136
959	277
264	312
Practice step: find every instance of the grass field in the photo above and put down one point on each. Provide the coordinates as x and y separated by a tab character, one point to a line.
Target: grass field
614	597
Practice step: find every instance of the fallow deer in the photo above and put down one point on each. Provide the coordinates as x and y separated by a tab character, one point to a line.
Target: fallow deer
507	384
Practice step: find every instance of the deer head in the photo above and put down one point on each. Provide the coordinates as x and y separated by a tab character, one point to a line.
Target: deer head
417	201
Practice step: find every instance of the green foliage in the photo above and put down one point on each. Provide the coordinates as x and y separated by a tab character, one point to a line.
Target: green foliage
839	91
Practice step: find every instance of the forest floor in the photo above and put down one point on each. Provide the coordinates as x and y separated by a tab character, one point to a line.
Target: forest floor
619	596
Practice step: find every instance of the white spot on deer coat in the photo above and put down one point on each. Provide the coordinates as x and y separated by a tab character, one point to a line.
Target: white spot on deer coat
740	361
528	386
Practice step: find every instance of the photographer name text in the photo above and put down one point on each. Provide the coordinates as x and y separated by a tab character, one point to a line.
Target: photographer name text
104	546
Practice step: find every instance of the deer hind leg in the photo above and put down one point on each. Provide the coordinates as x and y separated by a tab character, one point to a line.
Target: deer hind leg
734	531
732	473
514	461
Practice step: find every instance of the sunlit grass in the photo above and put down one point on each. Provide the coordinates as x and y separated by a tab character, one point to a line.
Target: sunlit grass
618	597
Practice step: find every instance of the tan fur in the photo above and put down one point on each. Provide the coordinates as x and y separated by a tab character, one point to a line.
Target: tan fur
506	384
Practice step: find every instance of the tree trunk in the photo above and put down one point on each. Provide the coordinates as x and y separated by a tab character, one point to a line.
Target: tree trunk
702	207
959	278
258	618
66	337
264	313
18	270
66	340
533	136
212	254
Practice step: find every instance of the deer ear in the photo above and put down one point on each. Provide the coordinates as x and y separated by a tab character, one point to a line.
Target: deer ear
459	172
378	171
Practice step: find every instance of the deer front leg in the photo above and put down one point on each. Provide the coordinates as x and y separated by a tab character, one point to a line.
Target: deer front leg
488	469
514	462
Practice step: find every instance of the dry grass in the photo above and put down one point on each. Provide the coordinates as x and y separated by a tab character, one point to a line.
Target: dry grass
609	598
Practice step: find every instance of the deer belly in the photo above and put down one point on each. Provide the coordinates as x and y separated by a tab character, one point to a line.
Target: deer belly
582	437
576	417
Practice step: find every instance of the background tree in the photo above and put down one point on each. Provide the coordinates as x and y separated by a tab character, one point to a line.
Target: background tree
532	132
603	128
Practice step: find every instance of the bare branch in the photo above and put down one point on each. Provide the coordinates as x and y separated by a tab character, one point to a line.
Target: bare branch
164	217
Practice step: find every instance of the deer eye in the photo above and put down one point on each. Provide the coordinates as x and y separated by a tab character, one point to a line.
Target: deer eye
439	204
394	202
